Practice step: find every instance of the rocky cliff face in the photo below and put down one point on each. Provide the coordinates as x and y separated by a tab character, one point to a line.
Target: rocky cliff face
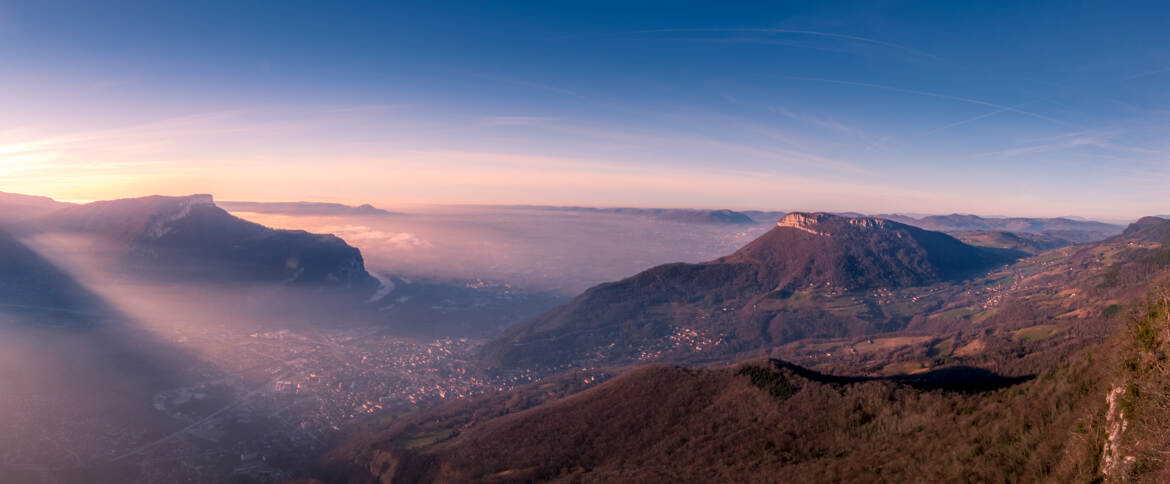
804	222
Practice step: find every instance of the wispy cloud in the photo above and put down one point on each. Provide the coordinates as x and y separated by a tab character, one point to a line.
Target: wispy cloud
936	95
785	151
977	118
1146	74
365	108
18	142
797	32
515	120
522	82
1104	140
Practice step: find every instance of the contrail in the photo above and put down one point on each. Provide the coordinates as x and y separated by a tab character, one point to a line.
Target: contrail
976	118
936	95
1145	74
816	33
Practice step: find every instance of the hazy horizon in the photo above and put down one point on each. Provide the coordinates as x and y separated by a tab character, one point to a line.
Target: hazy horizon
1036	110
406	208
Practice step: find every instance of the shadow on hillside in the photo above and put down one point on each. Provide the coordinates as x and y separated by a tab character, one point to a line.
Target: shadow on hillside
79	377
35	291
965	379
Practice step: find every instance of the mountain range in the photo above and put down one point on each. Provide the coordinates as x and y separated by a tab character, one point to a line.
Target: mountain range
1027	242
681	215
303	208
1052	373
1075	231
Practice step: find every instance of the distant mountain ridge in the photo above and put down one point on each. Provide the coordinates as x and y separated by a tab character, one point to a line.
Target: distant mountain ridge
744	293
303	208
1076	231
192	237
1029	242
765	216
682	215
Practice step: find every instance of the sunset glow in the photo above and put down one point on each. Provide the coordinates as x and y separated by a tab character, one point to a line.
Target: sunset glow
755	108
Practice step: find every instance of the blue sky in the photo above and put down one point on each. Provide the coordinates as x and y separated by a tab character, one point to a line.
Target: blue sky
1049	108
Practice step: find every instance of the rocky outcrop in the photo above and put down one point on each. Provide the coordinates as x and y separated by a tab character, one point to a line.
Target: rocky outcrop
805	222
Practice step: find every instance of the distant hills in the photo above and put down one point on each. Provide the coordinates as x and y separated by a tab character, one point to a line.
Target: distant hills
303	208
765	216
1049	232
749	294
682	215
1075	231
1052	232
190	237
1027	242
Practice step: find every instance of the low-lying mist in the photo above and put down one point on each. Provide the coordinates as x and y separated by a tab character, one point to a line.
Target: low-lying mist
540	250
112	372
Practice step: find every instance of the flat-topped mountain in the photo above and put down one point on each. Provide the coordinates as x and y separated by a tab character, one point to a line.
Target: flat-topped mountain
746	297
185	237
857	253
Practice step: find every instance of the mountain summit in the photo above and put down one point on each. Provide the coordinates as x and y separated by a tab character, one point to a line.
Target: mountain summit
1151	229
747	299
850	253
184	237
